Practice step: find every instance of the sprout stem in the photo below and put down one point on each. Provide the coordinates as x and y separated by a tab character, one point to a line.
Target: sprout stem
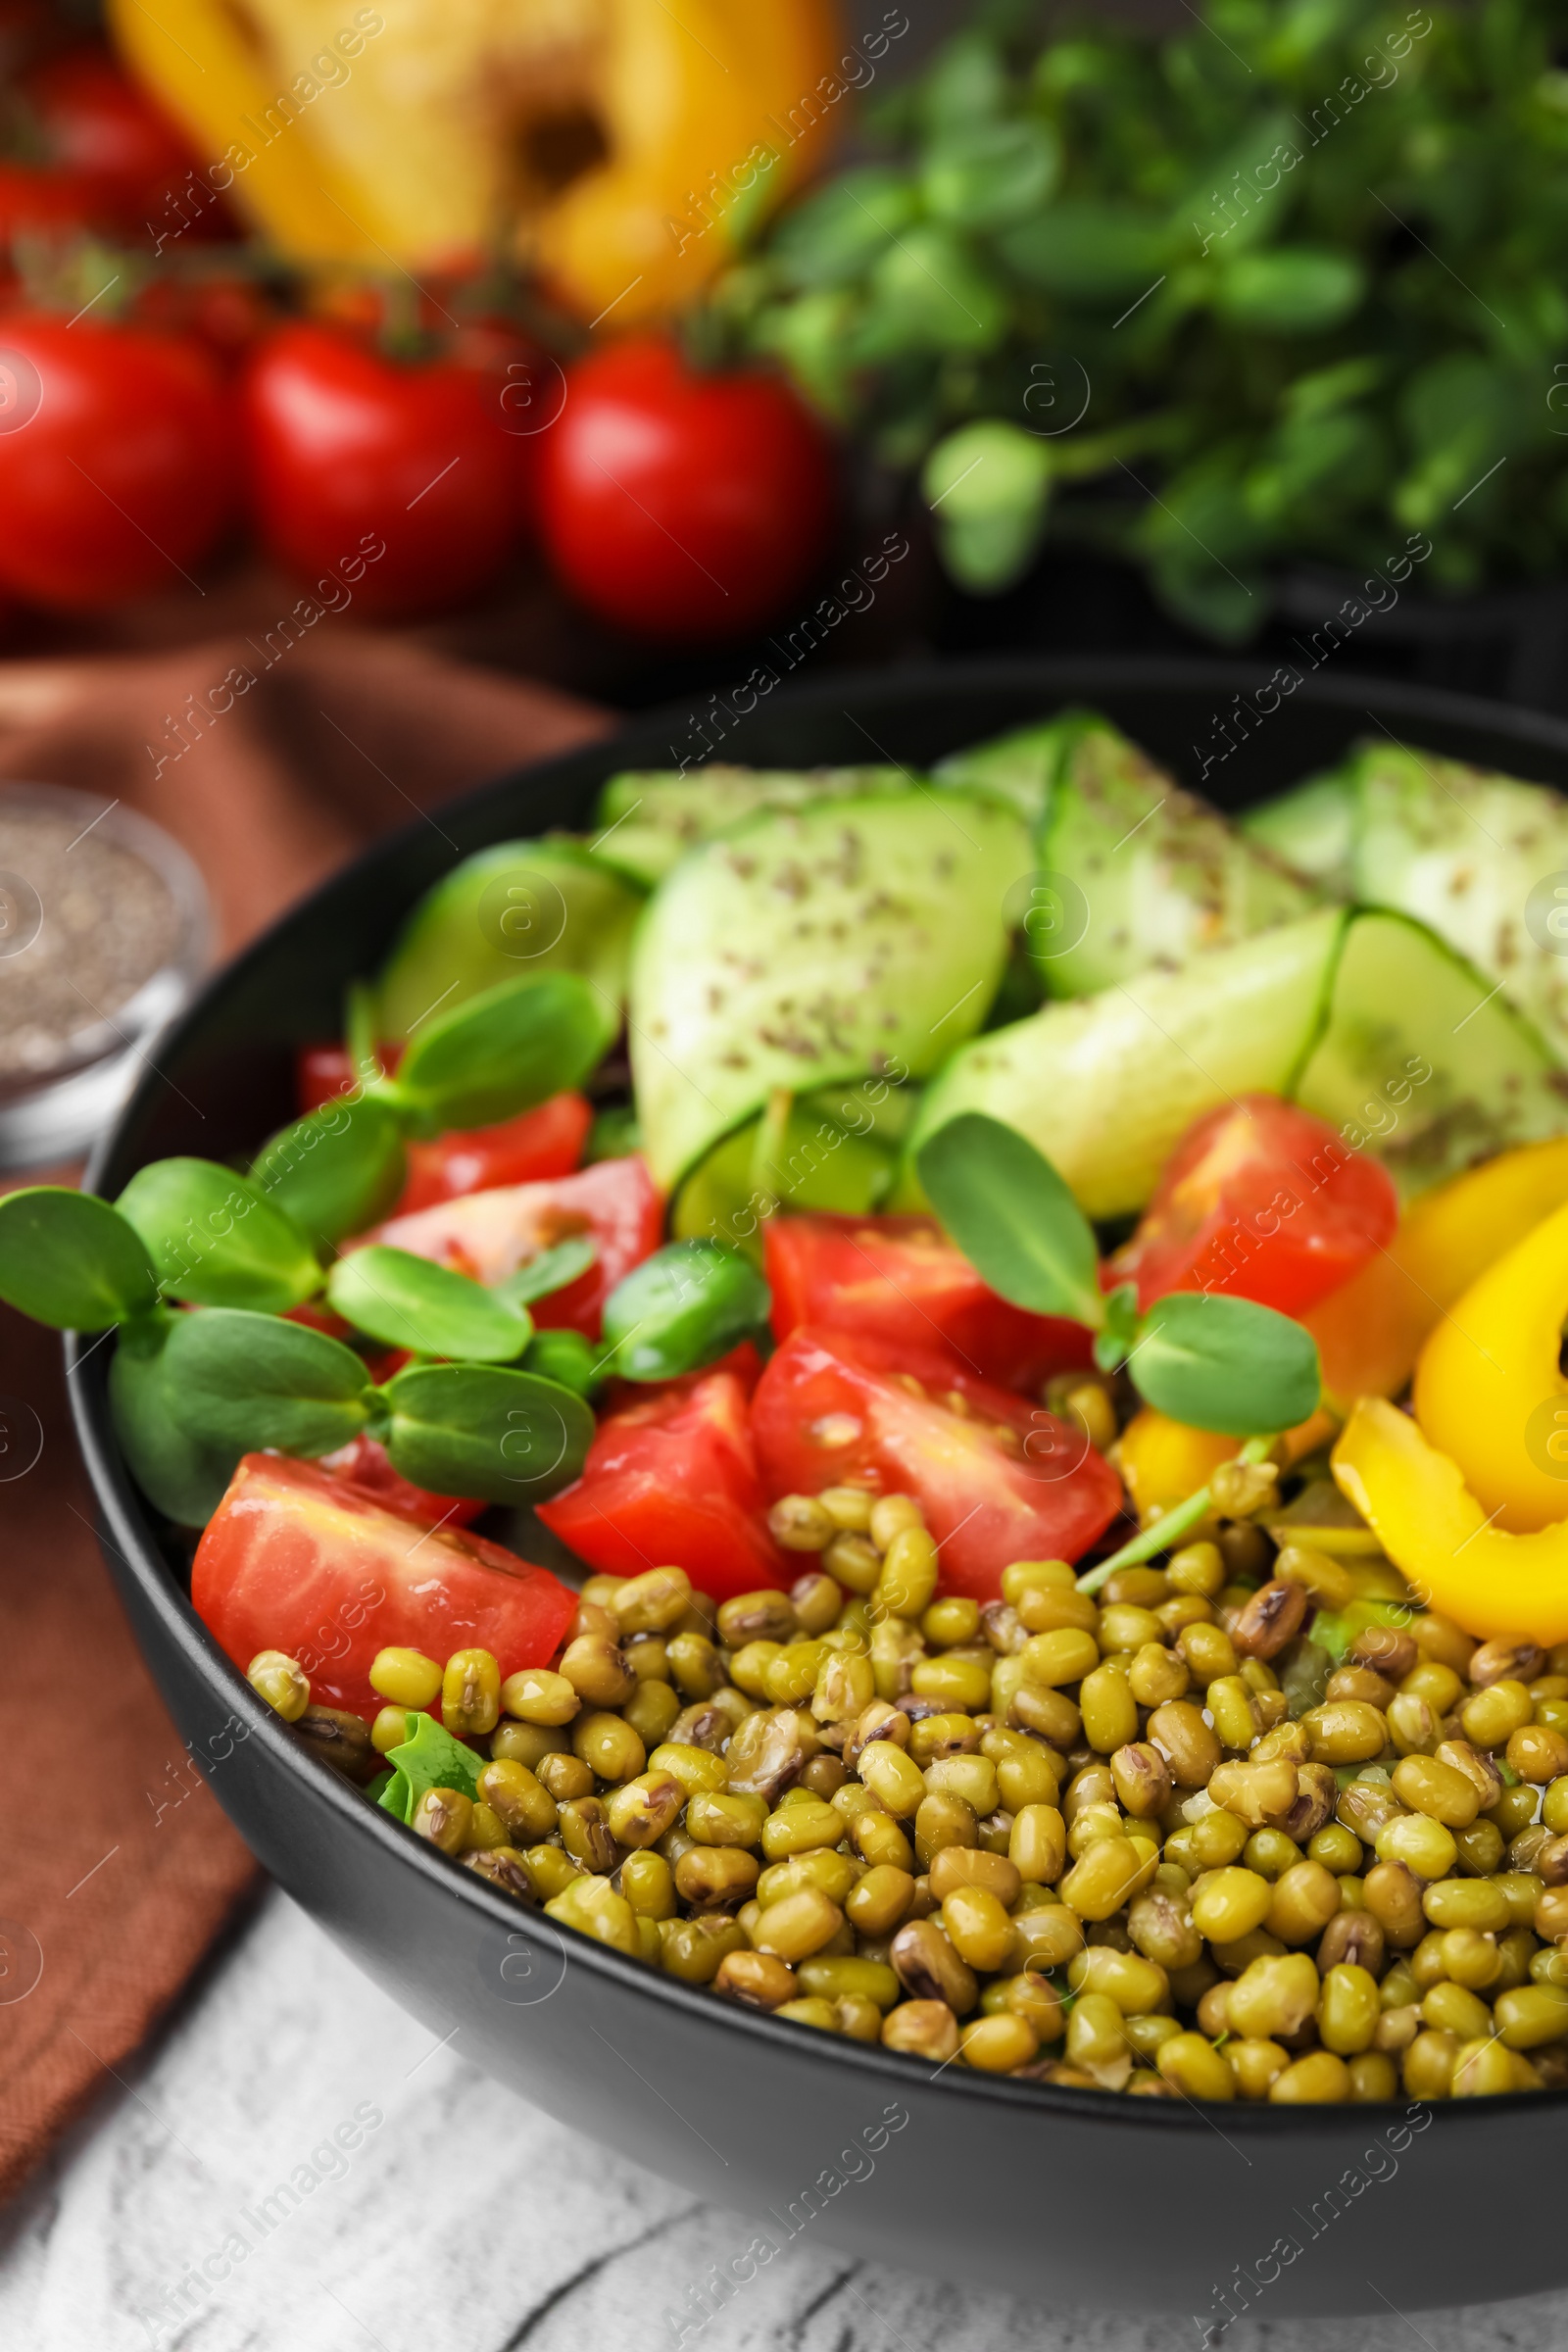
1162	1533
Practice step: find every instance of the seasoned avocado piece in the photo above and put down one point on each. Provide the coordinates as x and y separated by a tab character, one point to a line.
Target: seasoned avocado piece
1107	1086
1423	1061
1311	828
649	817
844	940
521	908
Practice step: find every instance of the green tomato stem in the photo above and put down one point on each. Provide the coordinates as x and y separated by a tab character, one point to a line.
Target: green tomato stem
1163	1532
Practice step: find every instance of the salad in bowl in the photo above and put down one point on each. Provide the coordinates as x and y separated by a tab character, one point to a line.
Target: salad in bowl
1021	1320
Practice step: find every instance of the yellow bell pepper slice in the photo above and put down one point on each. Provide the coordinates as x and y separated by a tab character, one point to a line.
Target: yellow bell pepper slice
1163	1461
1435	1530
1370	1332
613	144
1488	1390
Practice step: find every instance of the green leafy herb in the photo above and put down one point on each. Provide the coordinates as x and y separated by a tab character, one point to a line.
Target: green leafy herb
336	1171
503	1051
182	1477
430	1758
68	1260
239	1383
1013	1218
1225	1363
460	1429
689	1303
566	1356
548	1270
407	1301
215	1239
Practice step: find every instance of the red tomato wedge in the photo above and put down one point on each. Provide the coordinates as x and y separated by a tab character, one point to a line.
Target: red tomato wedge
999	1478
545	1142
1260	1200
365	1464
671	1483
488	1235
298	1560
901	1279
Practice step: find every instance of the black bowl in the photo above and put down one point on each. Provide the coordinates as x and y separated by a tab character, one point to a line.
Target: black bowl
1051	2192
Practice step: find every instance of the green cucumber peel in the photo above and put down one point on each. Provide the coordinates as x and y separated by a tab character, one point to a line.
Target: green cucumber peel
685	1306
1219	1363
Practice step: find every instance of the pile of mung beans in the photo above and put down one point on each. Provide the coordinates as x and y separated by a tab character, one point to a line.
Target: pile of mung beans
1118	1843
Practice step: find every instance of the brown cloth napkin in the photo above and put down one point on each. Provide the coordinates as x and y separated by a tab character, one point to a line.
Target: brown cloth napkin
117	1868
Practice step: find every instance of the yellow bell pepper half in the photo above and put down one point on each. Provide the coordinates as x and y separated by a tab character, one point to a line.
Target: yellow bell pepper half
1370	1332
613	144
1494	1584
1488	1389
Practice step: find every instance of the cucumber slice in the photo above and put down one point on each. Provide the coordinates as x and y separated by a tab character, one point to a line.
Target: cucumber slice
513	911
807	948
1463	850
1312	830
1106	1087
1423	1061
1166	876
649	817
1020	768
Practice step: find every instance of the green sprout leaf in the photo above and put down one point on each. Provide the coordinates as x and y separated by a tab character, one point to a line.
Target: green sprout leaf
336	1171
1115	1342
689	1303
182	1477
1013	1218
567	1356
548	1270
430	1759
473	1429
240	1383
215	1239
1225	1364
68	1260
503	1051
407	1301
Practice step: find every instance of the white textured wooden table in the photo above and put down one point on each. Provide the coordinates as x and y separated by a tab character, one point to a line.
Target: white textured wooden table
211	2205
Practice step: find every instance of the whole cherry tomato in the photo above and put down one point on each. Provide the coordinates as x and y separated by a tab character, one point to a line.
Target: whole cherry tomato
226	314
98	123
682	506
117	461
349	449
1260	1200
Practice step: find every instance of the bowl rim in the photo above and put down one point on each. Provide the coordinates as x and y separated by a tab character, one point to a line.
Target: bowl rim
122	1514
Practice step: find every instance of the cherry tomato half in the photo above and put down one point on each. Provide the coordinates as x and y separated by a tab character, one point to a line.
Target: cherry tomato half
352	453
682	506
488	1235
901	1279
671	1482
1260	1200
999	1478
117	461
298	1560
545	1142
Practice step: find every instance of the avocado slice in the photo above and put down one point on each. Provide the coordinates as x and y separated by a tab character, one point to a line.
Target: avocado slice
1423	1061
805	948
1107	1086
649	817
519	909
